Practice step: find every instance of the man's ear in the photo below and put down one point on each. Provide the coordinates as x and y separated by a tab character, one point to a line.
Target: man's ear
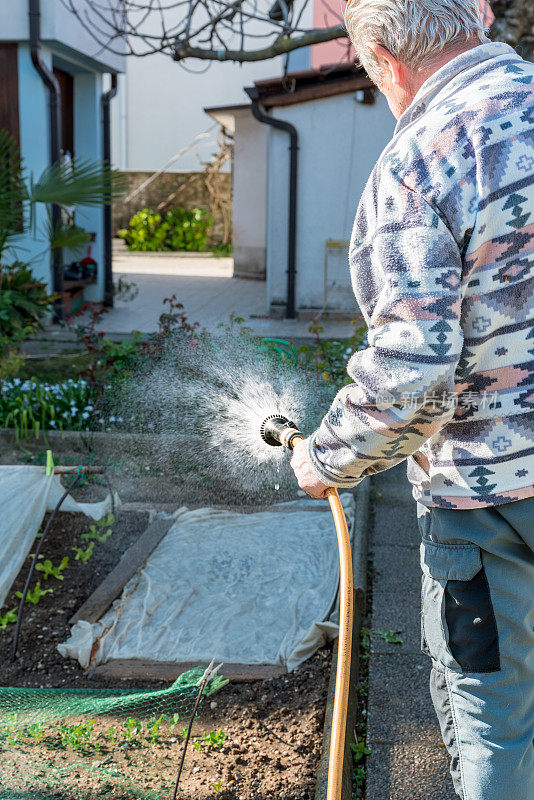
393	68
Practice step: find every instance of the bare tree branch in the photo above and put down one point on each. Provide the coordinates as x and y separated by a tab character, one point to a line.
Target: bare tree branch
243	30
281	45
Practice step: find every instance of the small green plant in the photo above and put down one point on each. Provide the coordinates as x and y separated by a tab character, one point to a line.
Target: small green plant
392	637
214	738
35	596
11	730
8	618
359	780
133	727
174	721
365	643
153	729
97	532
76	736
13	737
359	749
112	735
222	249
362	689
35	732
48	568
217	786
209	740
83	555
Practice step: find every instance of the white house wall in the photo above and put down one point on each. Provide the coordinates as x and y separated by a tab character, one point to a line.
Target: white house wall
250	195
164	109
339	143
60	26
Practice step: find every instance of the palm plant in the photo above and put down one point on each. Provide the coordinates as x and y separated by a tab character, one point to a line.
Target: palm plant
24	300
84	182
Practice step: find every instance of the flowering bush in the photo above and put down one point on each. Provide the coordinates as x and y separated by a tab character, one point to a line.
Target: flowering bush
30	406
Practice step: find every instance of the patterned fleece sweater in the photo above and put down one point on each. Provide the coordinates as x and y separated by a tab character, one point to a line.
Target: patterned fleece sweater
441	259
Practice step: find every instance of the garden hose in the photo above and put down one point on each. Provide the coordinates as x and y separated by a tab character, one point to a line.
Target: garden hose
277	430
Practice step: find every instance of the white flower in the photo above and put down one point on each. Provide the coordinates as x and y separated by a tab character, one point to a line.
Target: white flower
88	408
85	415
16	381
73	411
52	423
112	419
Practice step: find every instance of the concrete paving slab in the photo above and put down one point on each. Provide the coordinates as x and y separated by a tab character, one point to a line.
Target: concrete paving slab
208	291
396	525
399	567
399	708
397	611
393	485
408	772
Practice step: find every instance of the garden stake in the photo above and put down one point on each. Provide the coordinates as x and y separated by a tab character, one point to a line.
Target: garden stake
208	675
277	430
80	472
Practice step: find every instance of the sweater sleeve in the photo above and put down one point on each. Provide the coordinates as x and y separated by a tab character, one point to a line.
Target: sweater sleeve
409	266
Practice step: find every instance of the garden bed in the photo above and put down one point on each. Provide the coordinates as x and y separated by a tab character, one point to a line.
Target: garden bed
271	730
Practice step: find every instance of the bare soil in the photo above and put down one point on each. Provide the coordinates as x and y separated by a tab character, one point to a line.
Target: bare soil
272	729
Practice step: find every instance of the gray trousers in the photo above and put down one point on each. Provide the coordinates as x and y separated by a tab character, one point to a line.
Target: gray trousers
478	628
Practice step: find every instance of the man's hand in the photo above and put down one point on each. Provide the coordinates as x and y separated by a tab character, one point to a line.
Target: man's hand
306	478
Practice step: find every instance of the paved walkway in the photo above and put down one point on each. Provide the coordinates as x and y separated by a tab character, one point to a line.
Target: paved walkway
208	292
408	760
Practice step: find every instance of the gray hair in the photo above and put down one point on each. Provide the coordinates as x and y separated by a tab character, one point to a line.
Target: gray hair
414	31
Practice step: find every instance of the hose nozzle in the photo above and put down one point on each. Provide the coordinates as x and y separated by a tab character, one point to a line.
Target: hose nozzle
277	430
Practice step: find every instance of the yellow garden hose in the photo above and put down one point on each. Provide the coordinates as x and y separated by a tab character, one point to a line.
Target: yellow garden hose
341	696
277	430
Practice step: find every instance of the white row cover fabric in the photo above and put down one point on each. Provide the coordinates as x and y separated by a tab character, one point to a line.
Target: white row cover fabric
26	493
256	588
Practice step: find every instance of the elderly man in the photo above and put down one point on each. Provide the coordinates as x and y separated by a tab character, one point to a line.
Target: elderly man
442	257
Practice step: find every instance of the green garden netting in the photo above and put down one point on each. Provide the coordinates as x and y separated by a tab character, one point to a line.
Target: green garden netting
84	744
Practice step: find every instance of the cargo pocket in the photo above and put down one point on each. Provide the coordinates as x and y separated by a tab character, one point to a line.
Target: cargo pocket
459	630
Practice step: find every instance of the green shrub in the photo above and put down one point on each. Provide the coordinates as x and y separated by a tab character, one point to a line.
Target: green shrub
24	300
178	229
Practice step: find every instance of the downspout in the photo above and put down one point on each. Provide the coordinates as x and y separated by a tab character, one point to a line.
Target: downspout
261	116
49	80
105	101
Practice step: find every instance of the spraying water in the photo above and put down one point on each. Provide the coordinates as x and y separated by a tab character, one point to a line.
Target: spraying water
197	411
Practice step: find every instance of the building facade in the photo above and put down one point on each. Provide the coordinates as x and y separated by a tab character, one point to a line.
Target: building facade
340	125
71	59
